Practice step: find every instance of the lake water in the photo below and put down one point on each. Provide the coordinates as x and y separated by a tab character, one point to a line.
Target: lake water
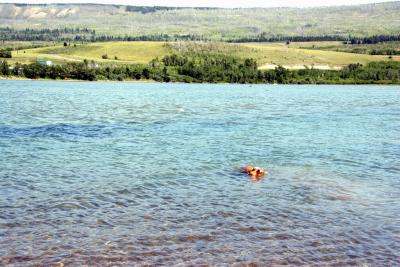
119	174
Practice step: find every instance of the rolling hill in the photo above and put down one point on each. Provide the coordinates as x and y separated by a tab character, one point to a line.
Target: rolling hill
268	55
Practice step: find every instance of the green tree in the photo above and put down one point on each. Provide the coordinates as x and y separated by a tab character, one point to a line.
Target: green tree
146	73
4	68
165	75
281	74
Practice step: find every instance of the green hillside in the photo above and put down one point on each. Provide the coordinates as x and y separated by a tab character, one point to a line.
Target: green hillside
267	54
362	20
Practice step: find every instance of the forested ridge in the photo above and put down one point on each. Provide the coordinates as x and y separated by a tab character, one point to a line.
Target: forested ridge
226	24
90	35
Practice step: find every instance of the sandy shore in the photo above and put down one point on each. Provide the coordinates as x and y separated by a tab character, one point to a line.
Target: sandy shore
300	67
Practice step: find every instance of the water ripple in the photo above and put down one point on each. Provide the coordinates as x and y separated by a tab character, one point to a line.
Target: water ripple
149	175
57	131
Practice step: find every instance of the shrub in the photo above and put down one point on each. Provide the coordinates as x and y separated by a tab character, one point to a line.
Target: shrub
146	73
5	53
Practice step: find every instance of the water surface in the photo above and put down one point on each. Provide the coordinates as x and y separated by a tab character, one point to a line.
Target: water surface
110	174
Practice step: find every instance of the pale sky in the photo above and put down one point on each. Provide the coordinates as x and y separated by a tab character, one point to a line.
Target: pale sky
211	3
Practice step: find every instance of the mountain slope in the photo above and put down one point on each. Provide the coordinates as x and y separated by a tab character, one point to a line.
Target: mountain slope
362	20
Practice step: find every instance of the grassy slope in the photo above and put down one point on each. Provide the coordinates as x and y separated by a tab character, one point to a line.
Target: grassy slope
266	54
292	57
127	53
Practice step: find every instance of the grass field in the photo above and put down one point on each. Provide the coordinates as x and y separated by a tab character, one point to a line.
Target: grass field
267	55
126	53
291	56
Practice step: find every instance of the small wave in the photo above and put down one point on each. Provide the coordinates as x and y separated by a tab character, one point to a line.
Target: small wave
194	238
58	130
6	260
67	206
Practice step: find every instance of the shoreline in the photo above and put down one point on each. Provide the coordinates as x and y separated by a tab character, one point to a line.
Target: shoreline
15	78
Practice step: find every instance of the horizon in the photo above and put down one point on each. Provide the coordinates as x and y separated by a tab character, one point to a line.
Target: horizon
209	3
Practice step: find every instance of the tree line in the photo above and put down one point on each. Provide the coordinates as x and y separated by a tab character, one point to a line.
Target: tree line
153	37
386	52
376	39
86	35
90	35
59	34
57	31
265	37
207	69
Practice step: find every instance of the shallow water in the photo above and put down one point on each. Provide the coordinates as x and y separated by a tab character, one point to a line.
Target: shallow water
110	174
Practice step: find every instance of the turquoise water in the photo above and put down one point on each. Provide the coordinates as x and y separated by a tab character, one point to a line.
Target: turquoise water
110	174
